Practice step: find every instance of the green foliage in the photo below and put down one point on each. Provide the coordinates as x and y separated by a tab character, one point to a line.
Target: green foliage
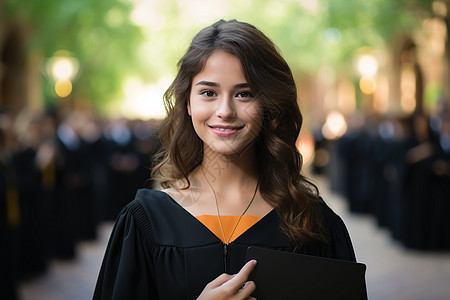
330	33
98	33
110	47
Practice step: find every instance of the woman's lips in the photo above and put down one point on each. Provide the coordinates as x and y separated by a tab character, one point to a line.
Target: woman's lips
225	131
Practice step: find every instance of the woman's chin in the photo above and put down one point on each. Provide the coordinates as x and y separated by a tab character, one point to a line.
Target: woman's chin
227	150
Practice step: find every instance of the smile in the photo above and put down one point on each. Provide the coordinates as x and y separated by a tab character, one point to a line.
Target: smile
225	131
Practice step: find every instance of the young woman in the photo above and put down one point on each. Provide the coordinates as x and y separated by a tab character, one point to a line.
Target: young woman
231	175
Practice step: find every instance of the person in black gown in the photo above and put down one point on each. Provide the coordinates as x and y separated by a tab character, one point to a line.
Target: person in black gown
230	175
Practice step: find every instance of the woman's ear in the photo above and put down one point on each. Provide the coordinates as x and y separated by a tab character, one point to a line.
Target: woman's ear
189	107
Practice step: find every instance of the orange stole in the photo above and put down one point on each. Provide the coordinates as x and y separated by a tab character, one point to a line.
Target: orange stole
228	223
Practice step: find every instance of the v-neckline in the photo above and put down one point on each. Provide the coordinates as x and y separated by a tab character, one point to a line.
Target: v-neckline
207	229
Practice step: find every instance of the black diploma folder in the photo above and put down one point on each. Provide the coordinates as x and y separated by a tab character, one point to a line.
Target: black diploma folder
283	275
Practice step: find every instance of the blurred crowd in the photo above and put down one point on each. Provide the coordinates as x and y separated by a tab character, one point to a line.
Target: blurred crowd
397	170
60	177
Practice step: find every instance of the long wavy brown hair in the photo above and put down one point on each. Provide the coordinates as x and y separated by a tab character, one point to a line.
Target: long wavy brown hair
279	162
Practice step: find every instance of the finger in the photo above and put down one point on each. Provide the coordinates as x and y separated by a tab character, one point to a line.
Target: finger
241	277
220	280
247	289
246	270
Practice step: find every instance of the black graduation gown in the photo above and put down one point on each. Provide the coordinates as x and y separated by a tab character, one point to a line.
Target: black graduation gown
158	250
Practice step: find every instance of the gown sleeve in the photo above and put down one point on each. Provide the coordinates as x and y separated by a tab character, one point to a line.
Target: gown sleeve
340	243
126	271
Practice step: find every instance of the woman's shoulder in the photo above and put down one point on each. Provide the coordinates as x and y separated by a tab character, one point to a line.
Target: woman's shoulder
339	241
332	220
330	217
159	204
146	203
148	196
150	207
151	200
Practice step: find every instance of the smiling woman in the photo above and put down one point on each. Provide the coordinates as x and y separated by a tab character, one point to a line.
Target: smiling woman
225	114
231	177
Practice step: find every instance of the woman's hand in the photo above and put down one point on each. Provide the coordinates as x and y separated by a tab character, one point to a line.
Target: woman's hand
231	286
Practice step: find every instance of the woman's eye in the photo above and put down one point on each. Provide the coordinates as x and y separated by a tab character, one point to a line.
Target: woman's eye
208	93
246	94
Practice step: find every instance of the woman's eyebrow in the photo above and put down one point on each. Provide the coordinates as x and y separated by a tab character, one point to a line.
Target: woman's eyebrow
215	84
208	83
241	85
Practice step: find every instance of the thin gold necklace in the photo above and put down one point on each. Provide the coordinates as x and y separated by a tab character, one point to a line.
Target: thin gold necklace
218	213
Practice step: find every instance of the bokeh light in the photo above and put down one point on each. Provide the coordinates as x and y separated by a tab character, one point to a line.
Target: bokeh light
408	90
305	145
367	65
62	69
62	66
335	125
367	85
63	88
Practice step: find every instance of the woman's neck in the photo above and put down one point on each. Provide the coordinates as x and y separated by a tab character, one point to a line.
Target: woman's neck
230	172
224	181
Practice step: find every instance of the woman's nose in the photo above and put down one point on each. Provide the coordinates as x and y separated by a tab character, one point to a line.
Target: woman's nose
226	109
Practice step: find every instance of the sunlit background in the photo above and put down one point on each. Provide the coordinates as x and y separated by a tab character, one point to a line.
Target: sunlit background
117	57
363	68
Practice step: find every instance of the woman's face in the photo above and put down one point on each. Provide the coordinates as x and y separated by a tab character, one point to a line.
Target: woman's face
225	114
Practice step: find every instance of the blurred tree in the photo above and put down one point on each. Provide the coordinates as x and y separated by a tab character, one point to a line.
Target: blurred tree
377	23
110	46
313	33
98	33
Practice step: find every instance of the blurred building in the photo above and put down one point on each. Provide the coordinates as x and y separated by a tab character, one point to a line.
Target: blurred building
20	70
